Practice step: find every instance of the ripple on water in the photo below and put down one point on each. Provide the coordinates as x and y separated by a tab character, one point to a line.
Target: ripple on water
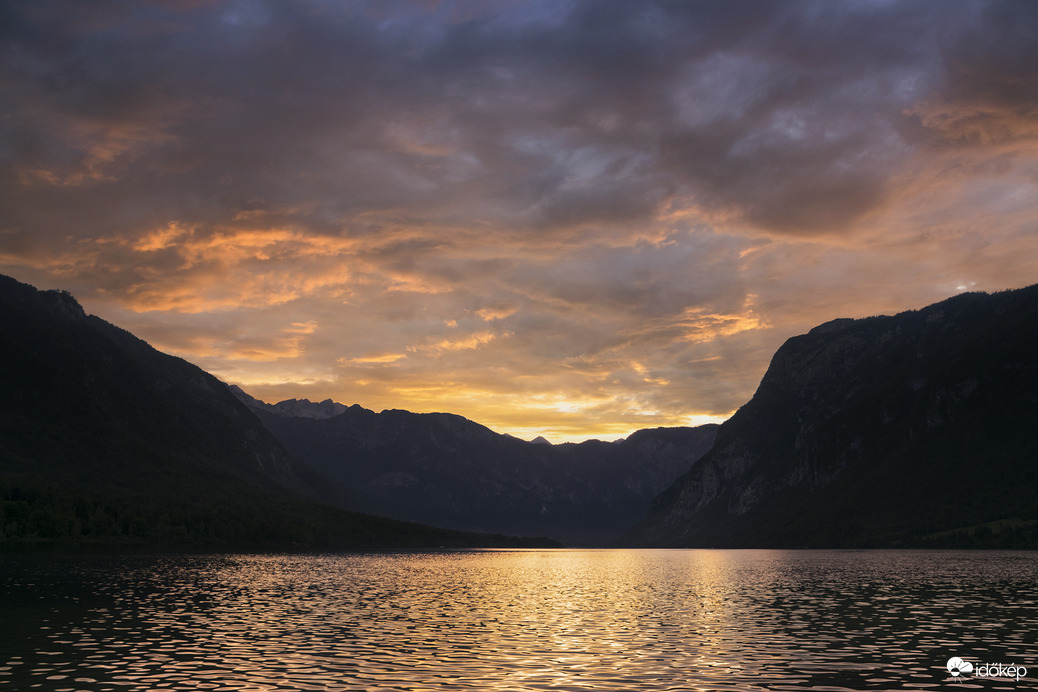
516	620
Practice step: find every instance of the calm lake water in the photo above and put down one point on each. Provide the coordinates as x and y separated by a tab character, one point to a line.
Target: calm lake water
519	620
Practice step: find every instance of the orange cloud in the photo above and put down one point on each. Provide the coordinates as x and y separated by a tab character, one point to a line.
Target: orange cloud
471	342
235	268
102	149
373	360
496	313
700	326
979	124
285	343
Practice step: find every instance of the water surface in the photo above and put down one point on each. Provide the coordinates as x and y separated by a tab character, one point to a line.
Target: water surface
518	620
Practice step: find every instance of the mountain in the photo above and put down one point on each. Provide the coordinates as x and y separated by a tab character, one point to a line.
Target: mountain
919	429
299	408
445	470
104	438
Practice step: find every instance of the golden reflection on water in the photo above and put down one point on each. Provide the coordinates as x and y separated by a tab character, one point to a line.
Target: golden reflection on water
514	620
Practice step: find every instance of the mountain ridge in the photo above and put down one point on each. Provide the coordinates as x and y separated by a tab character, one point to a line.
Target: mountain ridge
105	439
856	424
916	429
446	470
297	408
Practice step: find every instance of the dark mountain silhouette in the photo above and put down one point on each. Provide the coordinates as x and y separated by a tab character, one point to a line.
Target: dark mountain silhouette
299	408
919	429
104	438
445	470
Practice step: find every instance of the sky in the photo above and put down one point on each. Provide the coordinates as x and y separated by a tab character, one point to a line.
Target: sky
567	219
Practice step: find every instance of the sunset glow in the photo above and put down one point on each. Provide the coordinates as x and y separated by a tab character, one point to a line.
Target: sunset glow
572	220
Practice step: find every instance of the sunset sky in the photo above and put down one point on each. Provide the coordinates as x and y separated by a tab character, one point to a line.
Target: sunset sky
569	219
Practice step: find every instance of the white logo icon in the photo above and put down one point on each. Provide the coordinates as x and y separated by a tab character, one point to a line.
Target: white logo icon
956	666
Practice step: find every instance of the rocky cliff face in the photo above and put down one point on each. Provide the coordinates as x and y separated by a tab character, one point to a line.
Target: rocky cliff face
917	429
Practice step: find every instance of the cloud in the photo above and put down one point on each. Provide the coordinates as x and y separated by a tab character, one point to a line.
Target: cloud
606	214
987	96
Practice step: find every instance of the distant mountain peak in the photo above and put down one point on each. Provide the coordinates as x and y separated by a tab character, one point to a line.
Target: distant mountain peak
291	408
540	441
304	408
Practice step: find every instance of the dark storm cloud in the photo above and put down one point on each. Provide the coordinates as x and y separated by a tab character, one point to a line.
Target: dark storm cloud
988	88
557	115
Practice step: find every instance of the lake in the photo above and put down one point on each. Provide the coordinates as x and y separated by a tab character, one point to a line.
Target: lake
521	620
